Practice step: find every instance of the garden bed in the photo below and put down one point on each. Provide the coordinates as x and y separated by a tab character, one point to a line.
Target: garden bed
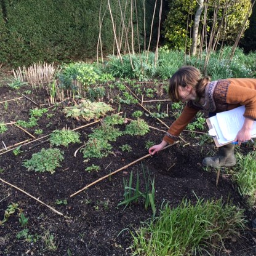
91	222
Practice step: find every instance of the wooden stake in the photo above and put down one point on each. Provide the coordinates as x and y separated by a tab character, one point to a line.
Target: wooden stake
30	100
26	193
25	131
112	173
11	100
218	176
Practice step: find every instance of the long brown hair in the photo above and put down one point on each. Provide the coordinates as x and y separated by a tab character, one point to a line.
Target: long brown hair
187	75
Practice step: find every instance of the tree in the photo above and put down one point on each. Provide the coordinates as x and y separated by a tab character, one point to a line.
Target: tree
222	20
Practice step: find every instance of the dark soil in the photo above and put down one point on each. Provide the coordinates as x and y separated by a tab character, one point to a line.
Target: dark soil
93	224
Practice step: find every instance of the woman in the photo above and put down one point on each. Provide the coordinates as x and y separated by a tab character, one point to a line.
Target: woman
187	85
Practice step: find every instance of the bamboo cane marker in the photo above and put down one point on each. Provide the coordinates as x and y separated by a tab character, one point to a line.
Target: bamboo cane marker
112	173
26	193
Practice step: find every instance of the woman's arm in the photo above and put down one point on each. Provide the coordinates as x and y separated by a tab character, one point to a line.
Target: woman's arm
245	133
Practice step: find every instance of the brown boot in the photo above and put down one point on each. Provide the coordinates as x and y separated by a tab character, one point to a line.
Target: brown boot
225	157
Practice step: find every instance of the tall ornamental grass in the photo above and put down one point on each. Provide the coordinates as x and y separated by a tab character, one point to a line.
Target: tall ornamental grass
189	229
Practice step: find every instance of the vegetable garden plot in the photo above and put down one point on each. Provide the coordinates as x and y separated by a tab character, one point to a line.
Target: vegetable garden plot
93	222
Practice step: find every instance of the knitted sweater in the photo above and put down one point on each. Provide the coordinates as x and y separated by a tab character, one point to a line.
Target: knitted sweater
221	95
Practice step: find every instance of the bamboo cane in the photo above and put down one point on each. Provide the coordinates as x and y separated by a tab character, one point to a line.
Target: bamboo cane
26	193
30	100
112	173
10	100
32	136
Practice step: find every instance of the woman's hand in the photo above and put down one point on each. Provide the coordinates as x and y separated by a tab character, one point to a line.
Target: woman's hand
245	133
154	149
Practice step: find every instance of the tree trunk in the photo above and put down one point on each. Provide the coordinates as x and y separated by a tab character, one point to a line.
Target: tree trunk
196	27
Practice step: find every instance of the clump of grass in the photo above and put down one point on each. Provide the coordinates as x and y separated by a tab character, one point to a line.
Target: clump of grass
188	229
245	176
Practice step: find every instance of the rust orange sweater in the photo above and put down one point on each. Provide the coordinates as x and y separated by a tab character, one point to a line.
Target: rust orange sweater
223	95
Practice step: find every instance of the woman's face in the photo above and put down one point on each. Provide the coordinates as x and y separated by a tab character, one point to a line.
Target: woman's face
186	93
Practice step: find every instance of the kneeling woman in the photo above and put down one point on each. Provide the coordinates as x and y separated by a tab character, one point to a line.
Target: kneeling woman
188	85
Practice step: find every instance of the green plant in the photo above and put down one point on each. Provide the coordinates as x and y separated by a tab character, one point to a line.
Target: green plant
17	151
38	112
88	110
49	115
24	234
64	137
59	202
128	99
158	115
31	123
126	147
113	119
189	229
96	148
134	194
11	209
245	176
106	132
38	131
17	84
137	127
95	93
6	105
49	241
92	168
45	160
23	220
137	114
3	128
149	144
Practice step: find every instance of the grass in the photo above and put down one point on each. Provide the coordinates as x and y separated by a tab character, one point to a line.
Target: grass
245	176
188	229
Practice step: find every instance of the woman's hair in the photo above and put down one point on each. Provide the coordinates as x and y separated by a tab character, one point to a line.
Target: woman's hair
187	75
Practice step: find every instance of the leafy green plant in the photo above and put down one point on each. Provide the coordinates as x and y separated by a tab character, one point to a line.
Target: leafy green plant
126	147
96	148
137	127
137	114
23	220
38	112
106	132
45	160
17	84
92	168
149	144
17	151
3	128
128	99
88	110
245	176
11	209
64	137
61	202
158	115
28	124
49	241
38	131
114	119
95	93
189	229
132	195
24	234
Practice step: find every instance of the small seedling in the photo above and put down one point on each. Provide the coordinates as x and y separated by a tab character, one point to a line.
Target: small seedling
92	168
149	144
17	151
126	147
38	131
137	114
3	128
38	112
23	220
60	202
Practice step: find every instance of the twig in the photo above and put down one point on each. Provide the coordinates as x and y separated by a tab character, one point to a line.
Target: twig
25	131
11	100
86	125
31	196
9	148
218	177
156	129
148	101
30	100
78	149
4	145
195	132
112	173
